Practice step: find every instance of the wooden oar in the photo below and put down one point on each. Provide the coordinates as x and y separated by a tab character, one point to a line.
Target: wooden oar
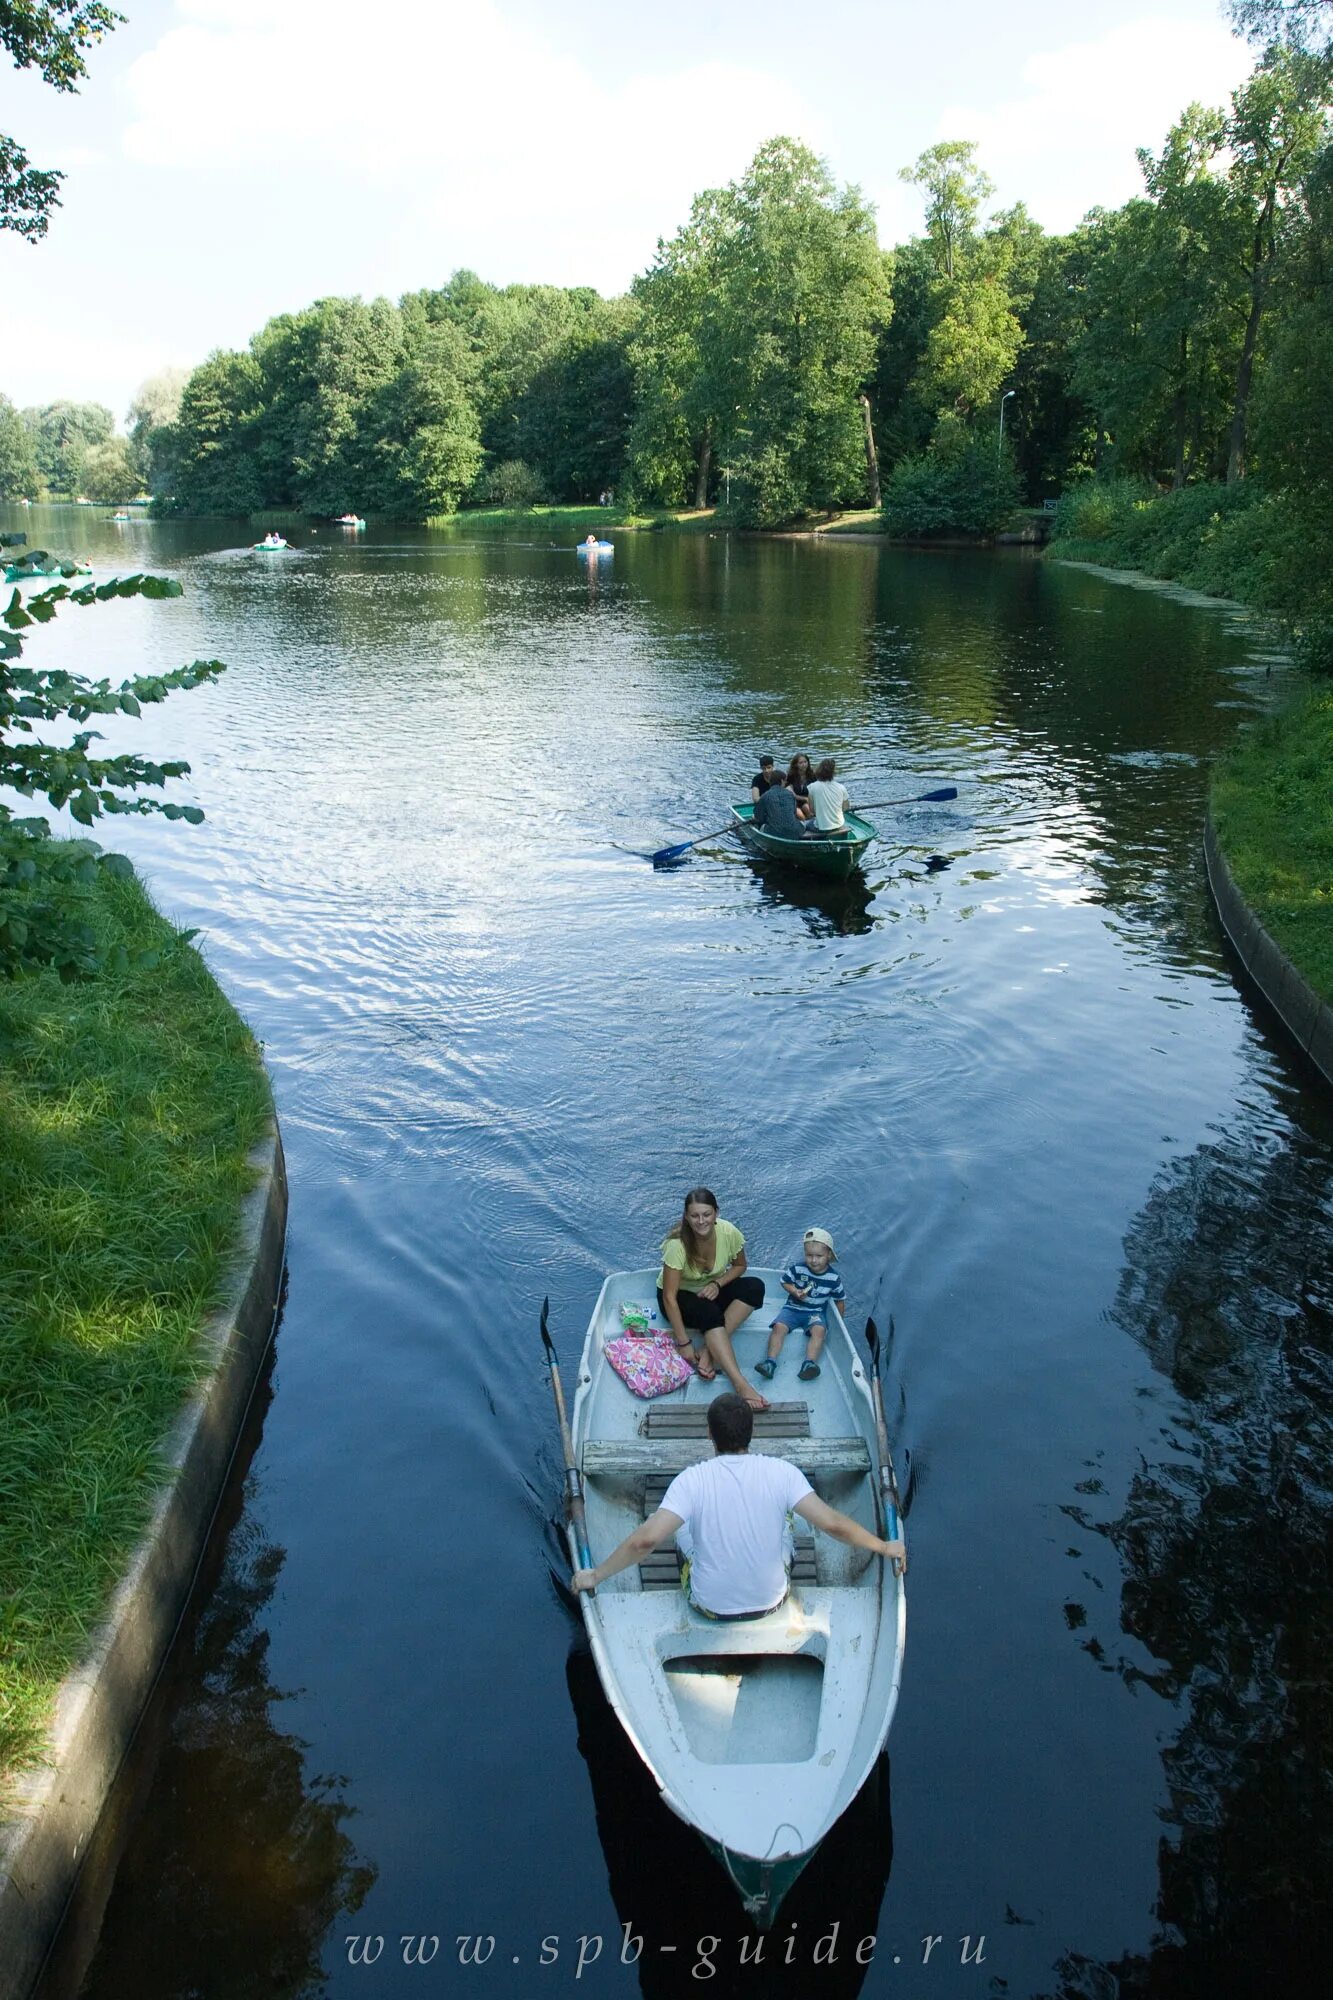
578	1525
683	846
920	799
890	1498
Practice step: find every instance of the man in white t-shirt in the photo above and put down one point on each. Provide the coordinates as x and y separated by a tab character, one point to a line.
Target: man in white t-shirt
829	798
730	1517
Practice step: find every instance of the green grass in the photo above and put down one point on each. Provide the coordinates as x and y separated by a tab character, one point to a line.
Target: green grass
1272	806
575	521
128	1106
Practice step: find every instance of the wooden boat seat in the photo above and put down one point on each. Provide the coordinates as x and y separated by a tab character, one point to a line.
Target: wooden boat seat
662	1569
640	1458
677	1420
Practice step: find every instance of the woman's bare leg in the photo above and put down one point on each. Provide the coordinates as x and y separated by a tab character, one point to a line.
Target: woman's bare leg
720	1347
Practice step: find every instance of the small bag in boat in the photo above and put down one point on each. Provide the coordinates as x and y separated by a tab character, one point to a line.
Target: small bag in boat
648	1364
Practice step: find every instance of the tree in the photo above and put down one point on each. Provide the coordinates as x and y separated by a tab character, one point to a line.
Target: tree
41	921
1278	122
19	477
212	442
759	324
423	450
155	408
1301	24
955	189
49	35
62	435
109	472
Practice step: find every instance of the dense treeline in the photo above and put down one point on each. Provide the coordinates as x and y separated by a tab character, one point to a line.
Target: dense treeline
774	356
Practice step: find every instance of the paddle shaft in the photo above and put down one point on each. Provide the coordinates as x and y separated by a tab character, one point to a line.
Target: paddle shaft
578	1523
889	1496
917	799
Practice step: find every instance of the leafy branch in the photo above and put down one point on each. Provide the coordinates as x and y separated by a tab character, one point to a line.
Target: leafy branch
42	918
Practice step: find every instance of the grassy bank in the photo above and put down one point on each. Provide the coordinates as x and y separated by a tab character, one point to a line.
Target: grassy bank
576	522
1228	541
128	1106
1272	805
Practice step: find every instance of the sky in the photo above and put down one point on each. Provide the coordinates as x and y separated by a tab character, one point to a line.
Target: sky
227	160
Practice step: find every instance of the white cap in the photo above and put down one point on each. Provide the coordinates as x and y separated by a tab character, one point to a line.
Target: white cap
821	1236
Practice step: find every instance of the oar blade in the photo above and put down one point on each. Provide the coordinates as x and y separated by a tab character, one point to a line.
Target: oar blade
872	1342
665	855
937	798
547	1342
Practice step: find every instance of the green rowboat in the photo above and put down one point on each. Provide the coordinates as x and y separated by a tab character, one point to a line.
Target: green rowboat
833	857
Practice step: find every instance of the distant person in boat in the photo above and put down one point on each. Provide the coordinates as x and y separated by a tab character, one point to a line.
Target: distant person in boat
761	780
799	775
702	1289
830	799
730	1519
776	811
812	1286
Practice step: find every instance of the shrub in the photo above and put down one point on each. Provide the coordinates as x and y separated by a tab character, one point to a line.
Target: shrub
511	483
957	487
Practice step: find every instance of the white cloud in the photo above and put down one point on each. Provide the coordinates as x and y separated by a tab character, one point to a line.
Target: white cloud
1066	142
467	125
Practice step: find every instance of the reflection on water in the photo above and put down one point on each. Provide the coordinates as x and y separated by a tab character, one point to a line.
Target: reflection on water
1228	1564
246	1853
676	1898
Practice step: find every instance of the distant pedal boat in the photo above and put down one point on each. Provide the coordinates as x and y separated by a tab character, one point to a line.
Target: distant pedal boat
836	857
348	521
759	1734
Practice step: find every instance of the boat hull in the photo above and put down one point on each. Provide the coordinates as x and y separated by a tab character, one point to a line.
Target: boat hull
758	1734
761	1885
835	860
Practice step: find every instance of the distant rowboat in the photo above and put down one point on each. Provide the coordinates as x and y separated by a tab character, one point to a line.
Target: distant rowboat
348	521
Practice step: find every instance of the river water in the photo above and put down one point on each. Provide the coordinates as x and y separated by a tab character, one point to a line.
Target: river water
1050	1135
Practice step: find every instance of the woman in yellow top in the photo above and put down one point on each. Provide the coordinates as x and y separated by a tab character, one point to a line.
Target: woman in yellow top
702	1289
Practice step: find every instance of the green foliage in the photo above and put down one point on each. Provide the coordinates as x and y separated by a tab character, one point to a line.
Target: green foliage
1272	806
758	330
1228	540
955	189
109	472
19	477
49	36
129	1107
512	484
45	884
153	412
1302	24
62	436
961	486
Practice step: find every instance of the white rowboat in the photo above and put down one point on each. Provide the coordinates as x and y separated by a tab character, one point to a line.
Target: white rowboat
758	1733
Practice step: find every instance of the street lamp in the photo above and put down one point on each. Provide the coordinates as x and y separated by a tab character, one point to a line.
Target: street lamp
999	447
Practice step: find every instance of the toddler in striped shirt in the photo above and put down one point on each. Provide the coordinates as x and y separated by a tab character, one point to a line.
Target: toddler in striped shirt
811	1285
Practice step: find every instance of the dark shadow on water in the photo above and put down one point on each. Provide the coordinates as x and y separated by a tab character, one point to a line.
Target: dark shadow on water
671	1892
1227	1549
829	909
244	1862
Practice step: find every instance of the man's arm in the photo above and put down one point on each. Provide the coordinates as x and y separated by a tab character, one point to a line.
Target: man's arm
844	1529
655	1530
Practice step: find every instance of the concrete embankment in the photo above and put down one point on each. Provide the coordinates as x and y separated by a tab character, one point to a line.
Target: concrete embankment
57	1807
1307	1018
